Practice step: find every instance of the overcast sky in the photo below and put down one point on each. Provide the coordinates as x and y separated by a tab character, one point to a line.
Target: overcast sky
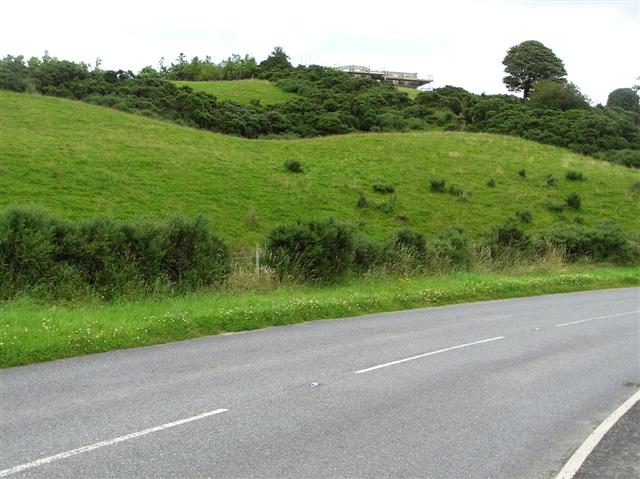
460	43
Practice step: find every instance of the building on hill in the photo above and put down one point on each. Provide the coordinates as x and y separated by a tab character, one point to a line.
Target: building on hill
404	79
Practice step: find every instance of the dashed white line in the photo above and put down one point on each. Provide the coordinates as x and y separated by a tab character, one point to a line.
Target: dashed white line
561	325
91	447
577	459
392	363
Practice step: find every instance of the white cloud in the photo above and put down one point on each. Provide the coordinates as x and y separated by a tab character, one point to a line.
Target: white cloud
460	43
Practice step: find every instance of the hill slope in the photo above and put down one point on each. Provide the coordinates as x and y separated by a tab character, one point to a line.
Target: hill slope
241	91
81	160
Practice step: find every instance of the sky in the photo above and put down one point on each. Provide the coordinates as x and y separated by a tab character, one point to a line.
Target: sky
459	43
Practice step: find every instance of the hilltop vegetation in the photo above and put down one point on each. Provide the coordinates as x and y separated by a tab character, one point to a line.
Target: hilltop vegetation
328	102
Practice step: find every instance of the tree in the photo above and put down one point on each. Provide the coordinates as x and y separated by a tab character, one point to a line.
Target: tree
531	62
277	61
624	98
557	95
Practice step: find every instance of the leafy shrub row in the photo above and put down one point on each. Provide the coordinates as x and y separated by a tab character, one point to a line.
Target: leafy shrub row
52	257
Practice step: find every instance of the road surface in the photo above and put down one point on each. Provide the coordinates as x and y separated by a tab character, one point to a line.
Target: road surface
500	389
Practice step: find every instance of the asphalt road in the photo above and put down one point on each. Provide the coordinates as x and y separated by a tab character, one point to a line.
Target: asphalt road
500	389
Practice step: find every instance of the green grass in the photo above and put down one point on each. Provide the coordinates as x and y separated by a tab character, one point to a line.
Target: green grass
80	160
412	92
32	332
241	91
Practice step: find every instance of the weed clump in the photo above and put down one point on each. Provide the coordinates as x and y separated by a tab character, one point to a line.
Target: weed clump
524	216
522	173
363	202
555	207
551	180
574	175
383	188
573	200
491	183
293	166
437	186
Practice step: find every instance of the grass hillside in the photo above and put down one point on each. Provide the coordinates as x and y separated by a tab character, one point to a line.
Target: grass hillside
241	91
80	160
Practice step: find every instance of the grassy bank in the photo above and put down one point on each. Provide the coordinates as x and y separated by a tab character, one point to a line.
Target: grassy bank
33	332
81	161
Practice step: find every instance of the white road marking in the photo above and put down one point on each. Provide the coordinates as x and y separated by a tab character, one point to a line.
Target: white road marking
392	363
91	447
561	325
578	457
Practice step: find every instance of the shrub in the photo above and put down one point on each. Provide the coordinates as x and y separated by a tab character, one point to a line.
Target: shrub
524	216
368	253
573	200
293	165
383	188
491	183
522	173
451	250
49	257
574	175
508	235
363	202
455	190
316	250
554	206
603	241
551	180
437	186
409	241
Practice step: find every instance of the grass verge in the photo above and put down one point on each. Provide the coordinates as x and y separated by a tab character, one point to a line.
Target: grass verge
34	332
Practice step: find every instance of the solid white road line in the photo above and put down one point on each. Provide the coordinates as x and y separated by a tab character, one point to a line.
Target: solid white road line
578	457
392	363
561	325
91	447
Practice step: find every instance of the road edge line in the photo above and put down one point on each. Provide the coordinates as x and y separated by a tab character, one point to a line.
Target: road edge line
582	453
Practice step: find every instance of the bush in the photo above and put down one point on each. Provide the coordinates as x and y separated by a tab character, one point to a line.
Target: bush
368	253
407	241
491	183
522	173
455	190
451	250
573	201
316	250
574	175
604	241
293	165
363	202
437	186
524	216
508	236
551	180
554	206
48	257
383	188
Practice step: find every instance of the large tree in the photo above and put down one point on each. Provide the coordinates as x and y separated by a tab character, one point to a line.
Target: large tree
625	98
531	62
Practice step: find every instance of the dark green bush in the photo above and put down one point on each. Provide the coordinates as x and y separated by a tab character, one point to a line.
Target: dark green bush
491	183
316	250
437	185
508	235
383	188
574	175
368	253
363	202
522	173
407	241
451	250
551	180
293	165
573	200
554	206
48	257
525	216
603	241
